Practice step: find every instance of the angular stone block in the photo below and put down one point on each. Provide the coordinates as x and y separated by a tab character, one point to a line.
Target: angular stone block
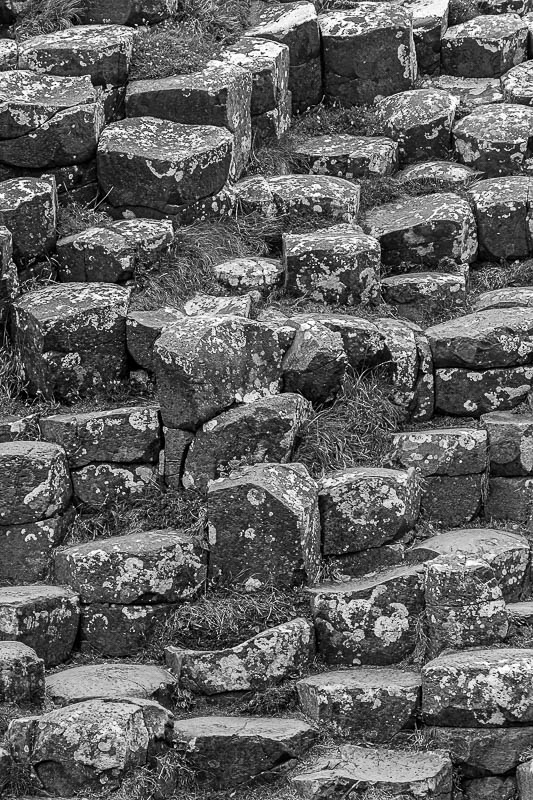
424	293
345	156
118	631
484	47
470	92
430	21
446	175
27	549
250	274
508	297
315	363
484	750
510	443
28	209
510	499
102	484
467	491
77	684
21	675
441	451
504	217
471	393
495	139
269	63
143	328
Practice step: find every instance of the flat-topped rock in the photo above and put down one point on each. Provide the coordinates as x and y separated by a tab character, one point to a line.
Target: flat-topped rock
200	304
269	63
143	328
21	675
484	47
101	51
470	393
249	273
42	617
422	774
510	443
507	553
508	297
367	51
495	139
517	85
96	486
470	92
228	751
346	156
445	174
441	451
256	664
417	294
112	680
173	164
323	195
424	229
478	688
374	702
503	215
150	567
420	121
27	548
28	209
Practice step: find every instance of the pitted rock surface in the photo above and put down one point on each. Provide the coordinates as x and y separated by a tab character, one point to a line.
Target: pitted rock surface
27	549
151	567
470	92
510	499
113	680
363	341
517	84
510	443
484	47
418	293
430	21
246	274
200	304
269	63
504	217
468	392
468	492
100	485
346	156
509	297
28	209
323	195
42	617
411	368
374	702
275	123
315	363
143	328
441	451
367	51
264	525
495	139
21	674
445	174
483	750
101	51
262	661
114	630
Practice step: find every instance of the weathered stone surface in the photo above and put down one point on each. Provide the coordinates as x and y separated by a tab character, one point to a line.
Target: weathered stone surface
8	54
206	364
35	482
491	788
464	604
478	688
28	209
369	620
151	567
332	266
346	156
112	680
495	139
507	553
265	430
508	297
201	304
128	434
315	363
467	491
470	393
503	214
357	565
219	95
424	774
424	230
420	121
510	499
323	195
16	426
101	51
228	751
262	661
517	85
367	51
27	549
411	368
177	443
264	525
363	341
366	507
248	274
273	124
90	744
510	443
447	175
524	777
44	618
143	328
72	337
166	164
470	92
484	47
99	485
118	631
441	451
424	293
113	253
484	750
269	63
21	674
430	21
372	702
5	768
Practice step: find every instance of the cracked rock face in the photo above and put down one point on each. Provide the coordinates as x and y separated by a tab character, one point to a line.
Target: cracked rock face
269	63
21	674
315	363
504	217
441	451
484	47
510	441
495	139
115	630
28	209
143	328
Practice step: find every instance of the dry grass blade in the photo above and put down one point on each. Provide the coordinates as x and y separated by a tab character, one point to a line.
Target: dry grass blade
47	16
12	380
75	217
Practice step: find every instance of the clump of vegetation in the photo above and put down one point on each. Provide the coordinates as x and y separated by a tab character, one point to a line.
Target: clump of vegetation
12	380
75	217
491	276
47	16
335	119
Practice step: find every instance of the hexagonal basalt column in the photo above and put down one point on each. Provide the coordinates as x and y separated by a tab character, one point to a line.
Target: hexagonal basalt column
495	139
430	21
28	209
517	84
346	156
484	47
503	209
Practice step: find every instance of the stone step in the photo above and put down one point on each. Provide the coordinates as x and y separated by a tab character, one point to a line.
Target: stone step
346	156
21	675
424	294
112	680
495	139
484	47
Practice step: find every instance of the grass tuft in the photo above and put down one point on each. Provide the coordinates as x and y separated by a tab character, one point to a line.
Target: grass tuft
47	16
76	217
12	380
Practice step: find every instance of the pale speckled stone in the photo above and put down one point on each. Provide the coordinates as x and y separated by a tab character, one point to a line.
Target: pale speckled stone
21	675
495	139
441	451
28	209
143	328
510	443
273	124
77	684
27	549
117	631
470	393
504	217
411	367
269	63
363	341
447	175
430	21
424	293
248	273
484	47
517	85
470	92
345	156
315	363
508	297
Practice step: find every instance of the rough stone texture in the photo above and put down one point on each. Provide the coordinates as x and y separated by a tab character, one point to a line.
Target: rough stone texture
273	124
411	373
72	337
151	567
508	297
315	363
484	47
201	304
265	430
467	491
264	525
101	51
367	51
478	688
90	744
372	702
177	443
269	63
28	209
9	281
424	293
424	775
346	156
363	341
366	507
332	267
441	451
128	434
165	164
517	85
503	214
357	565
495	139
248	274
510	499
470	92
524	777
467	392
507	553
27	549
219	95
228	751
295	25
369	620
424	230
323	195
99	485
21	674
464	604
491	788
143	328
77	684
118	631
44	618
447	175
16	426
510	443
484	750
420	121
430	21
206	364
113	253
258	663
